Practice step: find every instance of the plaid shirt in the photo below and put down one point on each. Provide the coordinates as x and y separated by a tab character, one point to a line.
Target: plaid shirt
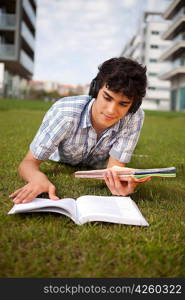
66	135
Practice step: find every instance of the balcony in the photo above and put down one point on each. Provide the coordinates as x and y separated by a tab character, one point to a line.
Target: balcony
176	50
27	35
26	62
179	37
158	94
180	13
30	12
7	22
180	70
174	29
173	9
177	67
7	52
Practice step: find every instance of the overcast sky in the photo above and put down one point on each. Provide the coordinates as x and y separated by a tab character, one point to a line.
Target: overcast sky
75	36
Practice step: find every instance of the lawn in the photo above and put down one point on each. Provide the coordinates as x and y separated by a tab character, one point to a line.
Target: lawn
51	245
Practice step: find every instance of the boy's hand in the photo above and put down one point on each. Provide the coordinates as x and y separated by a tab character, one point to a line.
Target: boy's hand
122	187
32	190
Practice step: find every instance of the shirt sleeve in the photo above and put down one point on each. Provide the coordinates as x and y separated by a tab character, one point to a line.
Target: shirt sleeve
52	131
126	142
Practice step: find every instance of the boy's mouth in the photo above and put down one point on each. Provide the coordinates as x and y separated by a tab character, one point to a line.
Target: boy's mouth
108	117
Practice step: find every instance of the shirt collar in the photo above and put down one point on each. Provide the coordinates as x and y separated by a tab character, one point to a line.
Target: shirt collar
86	117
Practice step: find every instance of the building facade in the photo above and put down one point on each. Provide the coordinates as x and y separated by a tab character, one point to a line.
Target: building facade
175	53
146	47
133	47
17	44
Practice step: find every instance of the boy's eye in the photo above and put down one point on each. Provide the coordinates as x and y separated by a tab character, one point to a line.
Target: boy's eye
123	104
107	98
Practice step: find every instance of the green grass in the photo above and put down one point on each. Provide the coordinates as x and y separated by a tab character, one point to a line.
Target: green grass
50	245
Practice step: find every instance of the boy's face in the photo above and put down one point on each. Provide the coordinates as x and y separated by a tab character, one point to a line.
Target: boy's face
108	108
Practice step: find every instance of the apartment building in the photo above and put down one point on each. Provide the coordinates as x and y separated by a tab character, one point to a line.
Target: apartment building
17	44
175	53
146	47
132	48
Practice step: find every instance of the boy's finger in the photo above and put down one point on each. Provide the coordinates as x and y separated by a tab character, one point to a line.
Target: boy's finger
111	179
132	185
15	193
52	193
117	183
106	178
29	198
110	182
22	196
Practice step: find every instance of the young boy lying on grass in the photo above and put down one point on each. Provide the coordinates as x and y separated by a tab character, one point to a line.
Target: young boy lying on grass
98	130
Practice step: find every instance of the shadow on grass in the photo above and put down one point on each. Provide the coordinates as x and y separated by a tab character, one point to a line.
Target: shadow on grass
57	168
160	192
158	189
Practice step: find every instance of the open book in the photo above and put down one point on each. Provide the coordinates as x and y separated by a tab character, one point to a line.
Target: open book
114	209
123	172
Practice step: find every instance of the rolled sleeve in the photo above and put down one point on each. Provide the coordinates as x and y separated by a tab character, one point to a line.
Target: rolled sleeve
126	142
52	131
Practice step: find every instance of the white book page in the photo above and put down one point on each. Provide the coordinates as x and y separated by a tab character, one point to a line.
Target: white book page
65	206
56	210
113	209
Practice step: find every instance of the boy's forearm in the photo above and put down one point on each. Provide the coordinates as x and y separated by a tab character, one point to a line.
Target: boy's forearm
29	171
114	162
37	182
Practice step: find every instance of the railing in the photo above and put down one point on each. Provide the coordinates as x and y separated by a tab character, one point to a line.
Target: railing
172	49
179	37
26	61
7	51
7	21
177	63
26	33
179	14
30	12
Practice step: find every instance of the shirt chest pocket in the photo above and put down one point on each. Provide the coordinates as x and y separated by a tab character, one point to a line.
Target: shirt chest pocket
71	151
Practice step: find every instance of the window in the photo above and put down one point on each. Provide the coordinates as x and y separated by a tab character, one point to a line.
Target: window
154	46
152	74
182	61
152	60
152	88
160	88
155	32
173	103
182	99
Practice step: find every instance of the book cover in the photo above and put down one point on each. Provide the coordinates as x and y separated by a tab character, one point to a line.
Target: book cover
126	172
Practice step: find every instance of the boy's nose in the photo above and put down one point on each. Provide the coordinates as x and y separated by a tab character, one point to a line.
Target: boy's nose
111	108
